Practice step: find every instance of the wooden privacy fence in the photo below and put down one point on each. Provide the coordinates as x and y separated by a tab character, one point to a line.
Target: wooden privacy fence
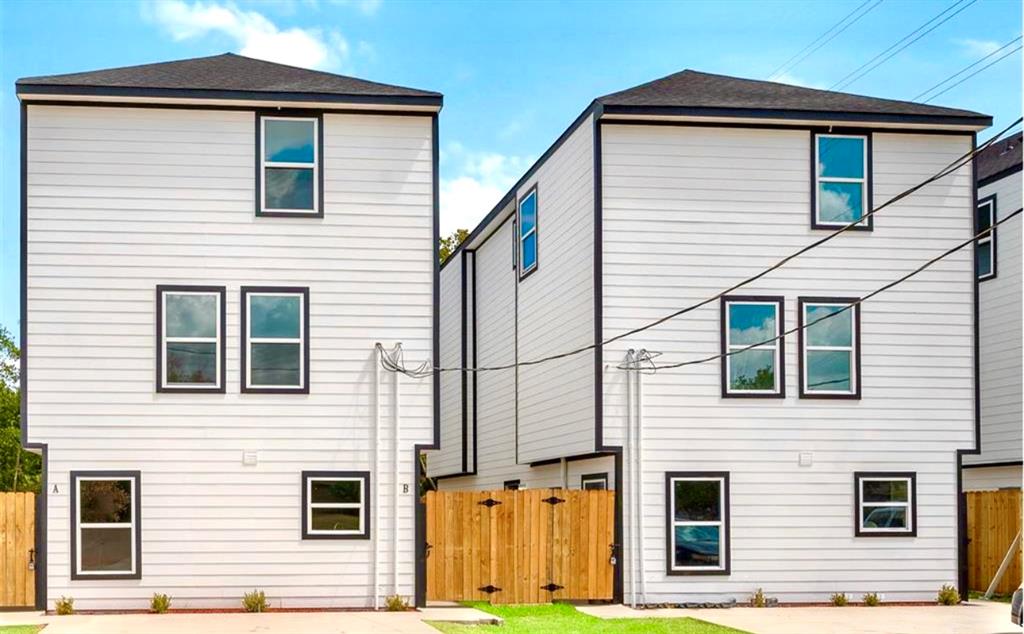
527	546
17	549
993	519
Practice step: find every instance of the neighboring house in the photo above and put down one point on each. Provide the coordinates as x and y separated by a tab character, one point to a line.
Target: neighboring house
825	462
210	250
1000	307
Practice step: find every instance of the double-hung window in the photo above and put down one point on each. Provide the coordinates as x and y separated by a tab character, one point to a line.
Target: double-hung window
275	339
698	522
190	338
105	525
290	166
752	365
528	233
985	248
842	180
829	347
885	504
335	505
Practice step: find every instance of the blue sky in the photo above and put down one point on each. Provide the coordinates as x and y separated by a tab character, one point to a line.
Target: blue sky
513	74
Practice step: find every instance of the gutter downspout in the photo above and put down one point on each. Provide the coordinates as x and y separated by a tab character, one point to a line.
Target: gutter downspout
565	473
394	496
626	490
375	523
640	474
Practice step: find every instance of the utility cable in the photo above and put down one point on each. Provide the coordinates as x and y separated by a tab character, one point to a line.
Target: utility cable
787	66
992	63
964	70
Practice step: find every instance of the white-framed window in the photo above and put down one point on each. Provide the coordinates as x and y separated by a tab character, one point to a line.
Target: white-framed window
105	525
190	338
829	347
528	255
985	248
594	481
842	191
698	522
759	371
886	504
290	167
335	505
275	341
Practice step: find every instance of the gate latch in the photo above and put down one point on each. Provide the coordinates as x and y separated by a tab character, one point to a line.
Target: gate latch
489	502
31	558
489	589
553	500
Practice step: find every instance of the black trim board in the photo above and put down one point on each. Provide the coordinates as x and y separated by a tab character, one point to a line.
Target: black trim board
896	475
218	107
982	465
161	289
136	517
726	523
243	337
463	355
796	126
584	456
304	479
1010	171
318	164
800	302
723	337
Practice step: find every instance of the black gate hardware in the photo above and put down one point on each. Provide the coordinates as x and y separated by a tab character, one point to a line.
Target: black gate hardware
553	500
489	588
489	502
551	587
426	551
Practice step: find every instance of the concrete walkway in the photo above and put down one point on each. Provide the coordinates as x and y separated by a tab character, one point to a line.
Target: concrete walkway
239	623
976	617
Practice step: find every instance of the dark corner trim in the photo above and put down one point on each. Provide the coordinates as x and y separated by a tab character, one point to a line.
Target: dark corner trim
136	513
318	165
367	500
858	475
222	347
726	523
243	337
598	292
801	301
869	178
780	312
463	354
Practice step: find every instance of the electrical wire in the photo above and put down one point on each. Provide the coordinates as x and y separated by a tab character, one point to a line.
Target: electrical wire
785	67
992	63
964	70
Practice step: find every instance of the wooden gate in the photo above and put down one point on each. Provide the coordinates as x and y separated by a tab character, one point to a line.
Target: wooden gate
528	546
17	550
993	519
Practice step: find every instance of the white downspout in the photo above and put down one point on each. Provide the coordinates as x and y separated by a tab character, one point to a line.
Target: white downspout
375	522
628	554
394	496
565	473
640	474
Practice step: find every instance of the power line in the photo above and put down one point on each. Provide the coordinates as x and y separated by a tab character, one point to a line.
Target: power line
992	63
787	66
867	67
964	70
426	369
881	289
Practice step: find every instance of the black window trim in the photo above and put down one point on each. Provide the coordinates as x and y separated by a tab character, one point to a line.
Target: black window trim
895	475
726	569
592	477
318	115
780	344
868	177
992	202
76	575
367	497
161	289
535	192
511	485
856	376
244	339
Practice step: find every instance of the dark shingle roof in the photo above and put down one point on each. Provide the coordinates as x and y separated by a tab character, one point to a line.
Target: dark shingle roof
227	76
999	159
705	93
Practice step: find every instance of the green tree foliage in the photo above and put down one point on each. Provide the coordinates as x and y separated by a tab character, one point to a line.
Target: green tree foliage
447	245
20	470
763	380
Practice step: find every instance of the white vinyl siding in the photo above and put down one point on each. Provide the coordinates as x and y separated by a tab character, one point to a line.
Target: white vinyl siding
688	211
122	199
448	459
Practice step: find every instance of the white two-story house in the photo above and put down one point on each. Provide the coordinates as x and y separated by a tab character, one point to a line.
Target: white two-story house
211	249
824	461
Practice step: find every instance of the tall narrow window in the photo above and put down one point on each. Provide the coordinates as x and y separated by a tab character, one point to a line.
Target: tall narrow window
335	505
757	371
985	248
698	522
842	182
528	233
885	504
275	341
190	338
829	347
290	177
105	525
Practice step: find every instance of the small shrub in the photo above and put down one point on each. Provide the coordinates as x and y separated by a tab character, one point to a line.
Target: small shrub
758	599
872	599
396	603
160	603
948	595
839	599
255	601
65	606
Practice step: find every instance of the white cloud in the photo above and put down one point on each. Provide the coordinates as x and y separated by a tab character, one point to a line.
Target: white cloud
366	7
786	78
978	48
253	34
482	178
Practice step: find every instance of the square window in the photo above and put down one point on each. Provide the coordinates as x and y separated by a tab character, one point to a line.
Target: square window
885	504
753	347
335	505
290	170
841	181
190	338
105	525
698	522
829	347
527	211
275	341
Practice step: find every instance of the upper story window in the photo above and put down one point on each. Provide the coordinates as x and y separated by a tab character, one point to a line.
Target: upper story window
105	525
830	348
290	166
275	339
698	522
886	504
190	338
335	505
759	371
528	233
985	249
842	180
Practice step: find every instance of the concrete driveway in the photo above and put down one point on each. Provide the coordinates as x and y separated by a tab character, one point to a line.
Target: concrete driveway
239	623
976	617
